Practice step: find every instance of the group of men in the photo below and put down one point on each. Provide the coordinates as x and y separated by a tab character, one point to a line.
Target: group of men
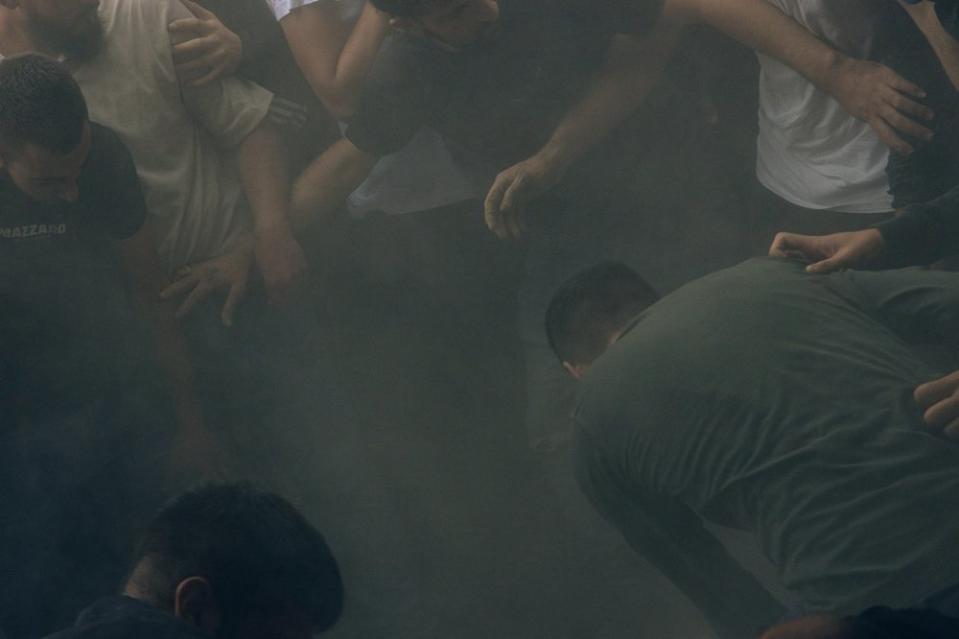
145	178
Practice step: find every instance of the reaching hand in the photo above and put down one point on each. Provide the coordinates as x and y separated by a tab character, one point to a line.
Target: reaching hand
281	263
230	271
211	53
881	97
940	402
828	253
513	190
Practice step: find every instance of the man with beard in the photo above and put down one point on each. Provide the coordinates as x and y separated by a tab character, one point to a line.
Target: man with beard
122	55
85	407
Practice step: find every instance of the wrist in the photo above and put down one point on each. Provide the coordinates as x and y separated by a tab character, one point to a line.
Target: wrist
830	70
556	156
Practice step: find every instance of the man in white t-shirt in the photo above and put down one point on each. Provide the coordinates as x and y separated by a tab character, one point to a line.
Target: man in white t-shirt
824	167
122	55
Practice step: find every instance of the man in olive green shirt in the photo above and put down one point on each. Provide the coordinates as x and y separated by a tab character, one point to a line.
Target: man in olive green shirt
769	399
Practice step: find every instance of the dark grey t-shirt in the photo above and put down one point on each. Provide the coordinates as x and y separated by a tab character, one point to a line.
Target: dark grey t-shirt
771	400
498	100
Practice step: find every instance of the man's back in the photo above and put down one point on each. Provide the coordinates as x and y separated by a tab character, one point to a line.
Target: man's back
768	399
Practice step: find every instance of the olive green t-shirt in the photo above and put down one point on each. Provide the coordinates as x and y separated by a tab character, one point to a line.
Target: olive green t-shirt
771	400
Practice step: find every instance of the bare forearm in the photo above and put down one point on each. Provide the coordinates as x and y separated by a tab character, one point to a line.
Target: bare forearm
357	57
633	68
328	181
761	26
945	46
266	178
335	57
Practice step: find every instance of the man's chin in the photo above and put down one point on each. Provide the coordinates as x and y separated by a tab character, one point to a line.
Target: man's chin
85	46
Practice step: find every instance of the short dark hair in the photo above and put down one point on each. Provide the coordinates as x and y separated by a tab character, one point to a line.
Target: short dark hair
260	555
405	8
593	305
40	103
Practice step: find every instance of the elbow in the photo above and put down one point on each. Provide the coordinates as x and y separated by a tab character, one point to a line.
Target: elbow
338	101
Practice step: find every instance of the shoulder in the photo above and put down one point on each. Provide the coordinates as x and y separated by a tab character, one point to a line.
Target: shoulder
108	153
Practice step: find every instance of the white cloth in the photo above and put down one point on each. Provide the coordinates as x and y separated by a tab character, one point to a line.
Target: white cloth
422	176
349	9
177	135
810	151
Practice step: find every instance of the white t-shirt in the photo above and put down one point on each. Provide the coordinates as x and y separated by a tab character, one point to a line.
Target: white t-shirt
421	176
810	151
177	136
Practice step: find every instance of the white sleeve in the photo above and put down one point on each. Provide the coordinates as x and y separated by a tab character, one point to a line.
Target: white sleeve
282	8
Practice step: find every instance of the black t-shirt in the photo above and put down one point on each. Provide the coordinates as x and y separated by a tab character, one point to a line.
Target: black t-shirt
500	99
123	617
64	311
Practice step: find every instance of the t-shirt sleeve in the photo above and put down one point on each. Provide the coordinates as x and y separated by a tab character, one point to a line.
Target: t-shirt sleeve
282	8
393	106
110	177
229	109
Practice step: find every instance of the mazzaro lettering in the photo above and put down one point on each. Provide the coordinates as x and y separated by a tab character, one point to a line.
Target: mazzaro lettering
32	230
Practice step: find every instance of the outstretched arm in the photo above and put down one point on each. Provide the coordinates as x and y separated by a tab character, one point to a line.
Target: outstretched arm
633	67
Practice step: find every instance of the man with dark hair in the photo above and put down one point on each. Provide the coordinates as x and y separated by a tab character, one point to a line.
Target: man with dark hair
87	409
530	96
122	55
767	399
590	309
224	561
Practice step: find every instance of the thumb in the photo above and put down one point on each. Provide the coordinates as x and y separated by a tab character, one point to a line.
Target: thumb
197	10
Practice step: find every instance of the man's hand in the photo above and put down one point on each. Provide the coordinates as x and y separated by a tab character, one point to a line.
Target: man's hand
211	52
939	401
198	281
828	253
281	263
513	190
882	98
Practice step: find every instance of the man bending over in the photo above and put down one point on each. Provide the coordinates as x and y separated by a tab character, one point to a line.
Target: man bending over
772	400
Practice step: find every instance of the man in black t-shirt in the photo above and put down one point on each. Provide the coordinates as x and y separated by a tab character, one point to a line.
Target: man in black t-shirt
87	404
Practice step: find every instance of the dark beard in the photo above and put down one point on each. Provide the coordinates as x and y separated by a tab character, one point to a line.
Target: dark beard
80	43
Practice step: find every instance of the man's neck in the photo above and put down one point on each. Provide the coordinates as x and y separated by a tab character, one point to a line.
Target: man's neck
15	37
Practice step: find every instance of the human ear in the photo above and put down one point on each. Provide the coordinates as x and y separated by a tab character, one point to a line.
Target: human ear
194	603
